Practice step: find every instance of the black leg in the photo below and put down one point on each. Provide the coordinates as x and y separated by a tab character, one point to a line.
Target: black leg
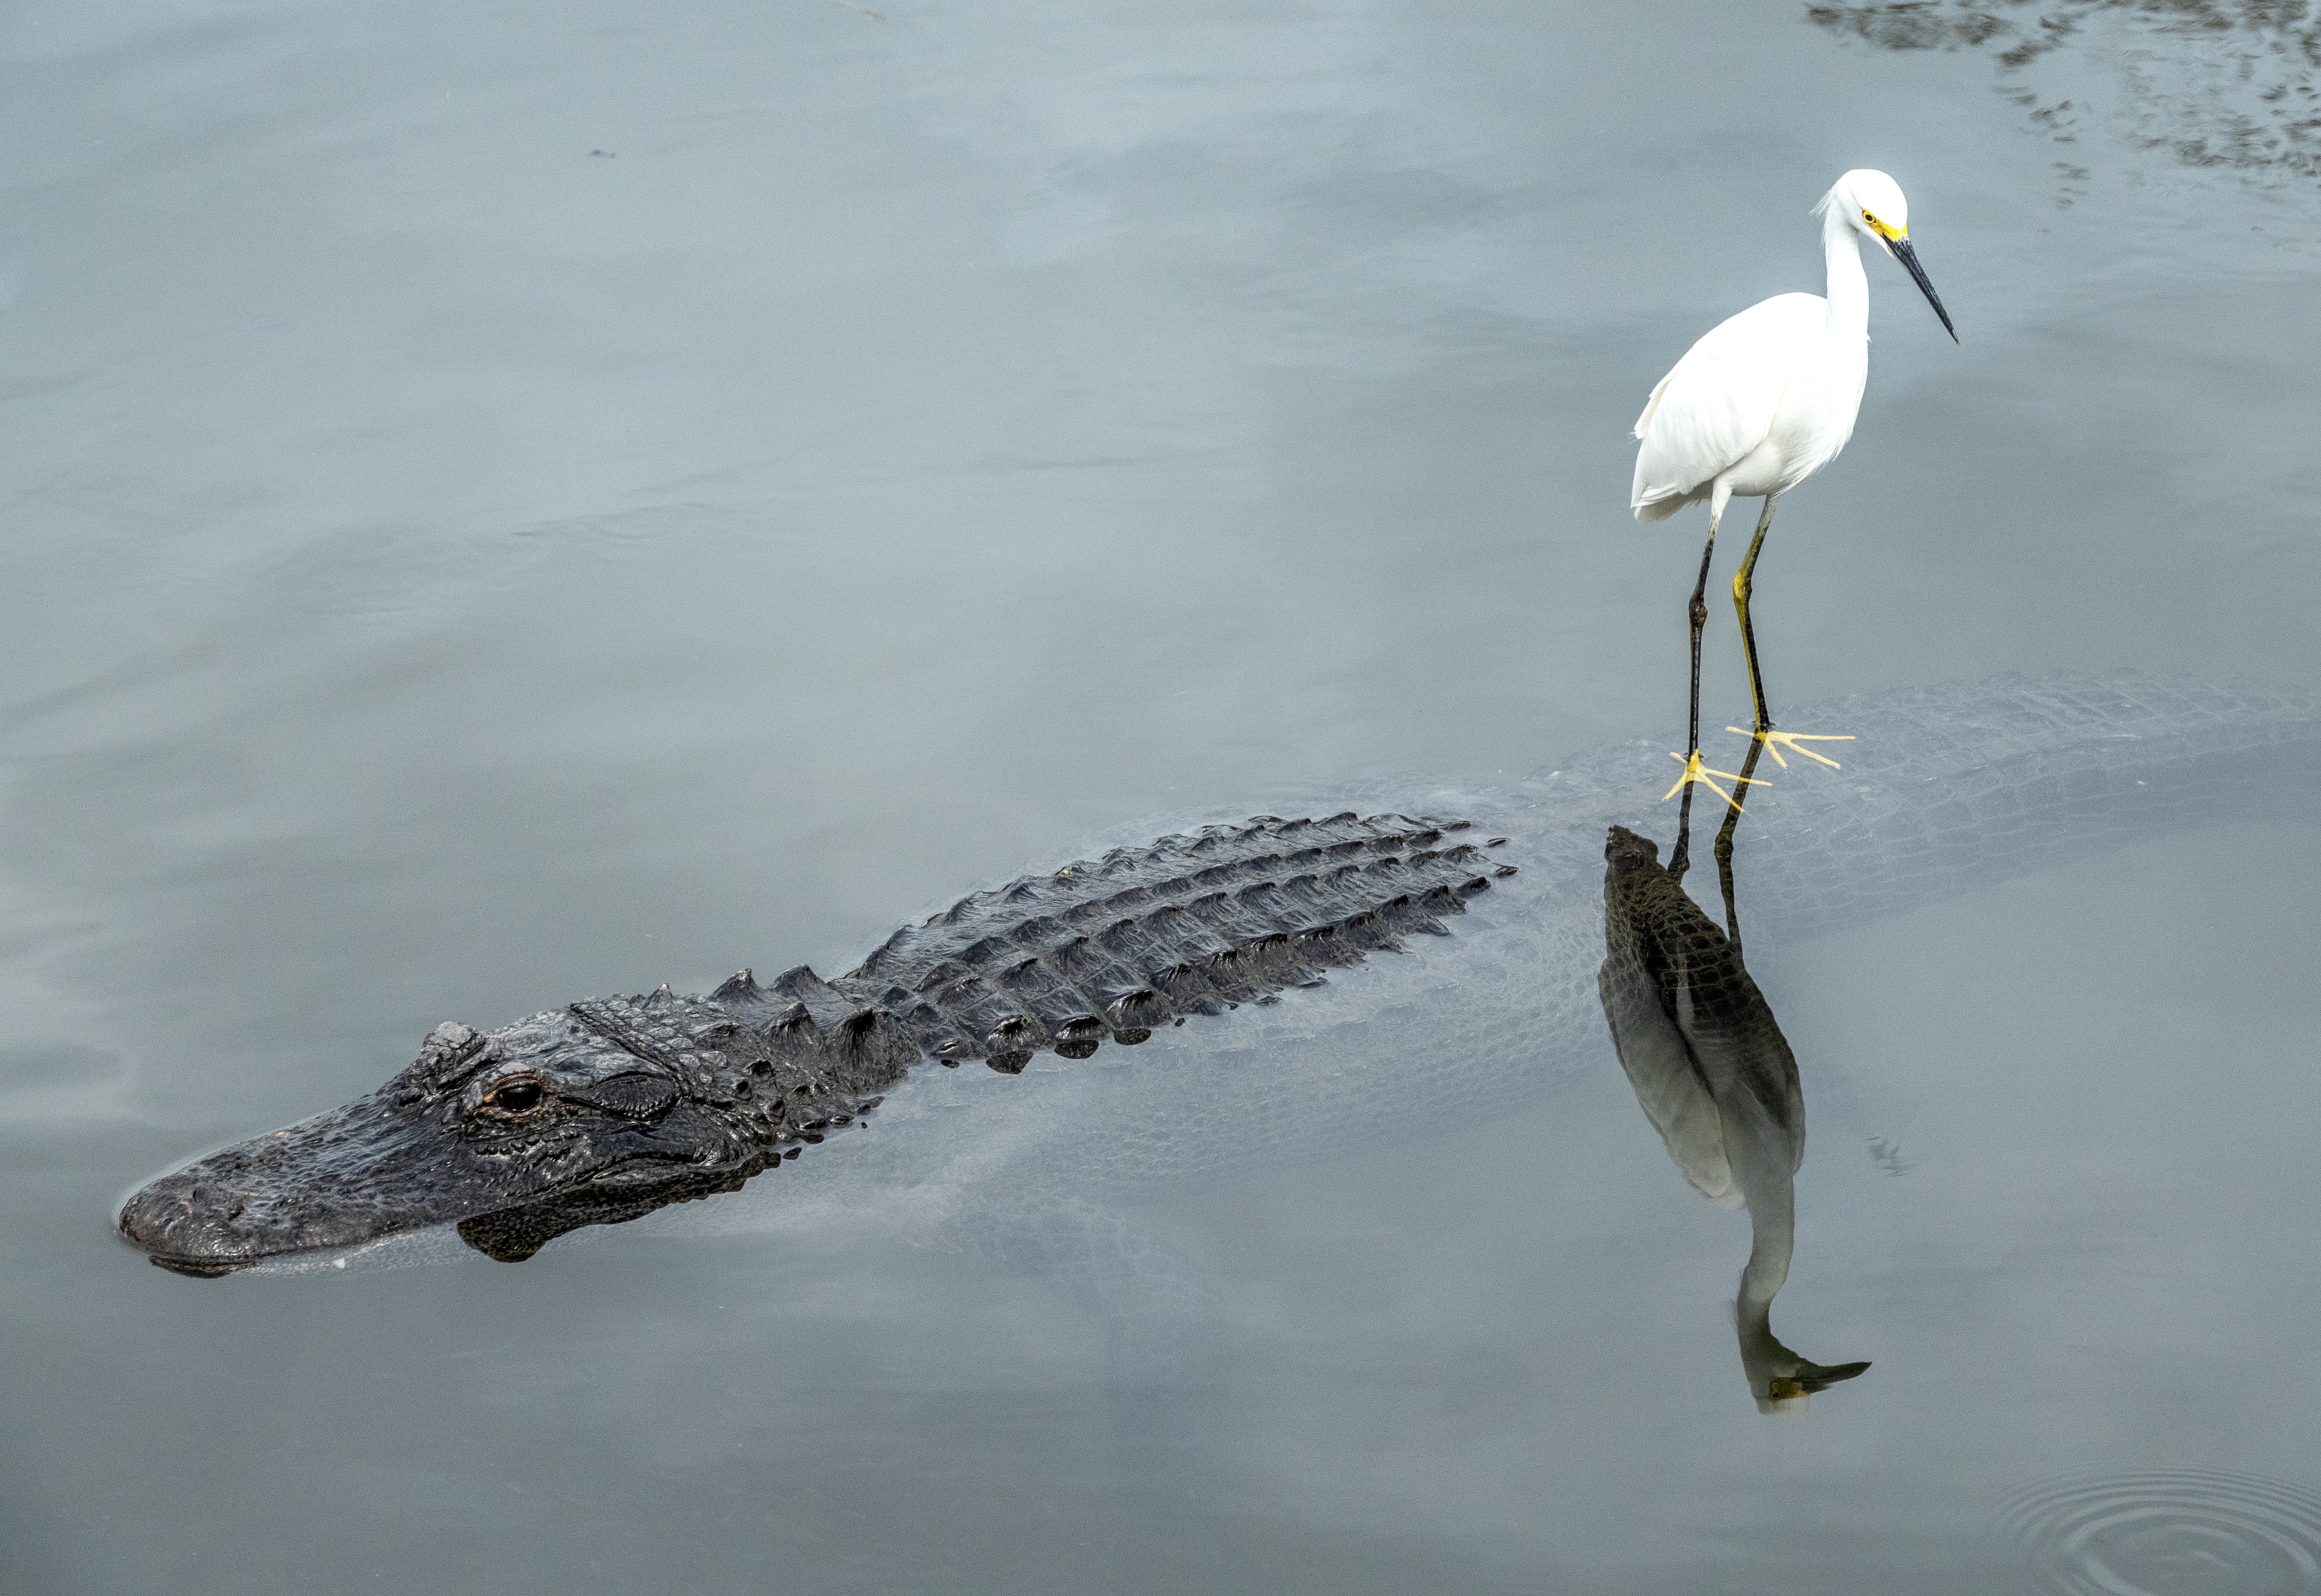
1697	613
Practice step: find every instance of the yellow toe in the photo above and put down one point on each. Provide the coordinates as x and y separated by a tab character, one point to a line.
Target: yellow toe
1695	771
1775	741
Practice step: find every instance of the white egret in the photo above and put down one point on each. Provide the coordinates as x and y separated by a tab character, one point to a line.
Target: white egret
1758	405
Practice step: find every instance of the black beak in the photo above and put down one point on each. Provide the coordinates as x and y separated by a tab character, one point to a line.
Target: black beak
1909	259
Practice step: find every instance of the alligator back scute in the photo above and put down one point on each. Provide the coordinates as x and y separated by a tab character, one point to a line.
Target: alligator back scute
1112	949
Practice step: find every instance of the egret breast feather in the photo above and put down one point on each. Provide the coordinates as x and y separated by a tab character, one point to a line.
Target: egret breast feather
1722	404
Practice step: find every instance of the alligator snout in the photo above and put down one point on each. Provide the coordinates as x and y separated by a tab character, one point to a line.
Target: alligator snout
263	1197
358	1172
201	1220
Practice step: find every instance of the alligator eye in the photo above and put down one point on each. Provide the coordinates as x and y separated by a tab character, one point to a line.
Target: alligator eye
519	1094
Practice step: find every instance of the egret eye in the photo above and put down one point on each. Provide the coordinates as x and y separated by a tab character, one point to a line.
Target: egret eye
519	1094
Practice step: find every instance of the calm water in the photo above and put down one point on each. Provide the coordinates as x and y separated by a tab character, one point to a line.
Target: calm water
508	504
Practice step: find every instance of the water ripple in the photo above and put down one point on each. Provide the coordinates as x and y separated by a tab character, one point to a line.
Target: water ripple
2177	1533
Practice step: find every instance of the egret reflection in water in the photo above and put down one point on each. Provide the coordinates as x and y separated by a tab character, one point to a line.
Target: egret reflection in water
1714	1075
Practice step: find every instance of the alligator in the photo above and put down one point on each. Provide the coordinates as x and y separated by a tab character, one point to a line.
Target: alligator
642	1102
612	1107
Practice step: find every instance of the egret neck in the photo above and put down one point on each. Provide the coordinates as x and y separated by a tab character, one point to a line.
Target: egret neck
1849	285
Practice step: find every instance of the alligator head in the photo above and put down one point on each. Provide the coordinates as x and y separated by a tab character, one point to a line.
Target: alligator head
603	1109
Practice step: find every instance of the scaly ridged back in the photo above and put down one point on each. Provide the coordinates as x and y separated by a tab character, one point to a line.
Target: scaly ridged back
1116	947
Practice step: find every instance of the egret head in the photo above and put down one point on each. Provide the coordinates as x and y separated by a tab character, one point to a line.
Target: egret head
1871	204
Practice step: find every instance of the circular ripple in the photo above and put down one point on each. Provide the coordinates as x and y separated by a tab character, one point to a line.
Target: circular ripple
2176	1534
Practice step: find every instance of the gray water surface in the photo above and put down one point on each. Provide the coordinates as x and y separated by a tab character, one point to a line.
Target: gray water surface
451	571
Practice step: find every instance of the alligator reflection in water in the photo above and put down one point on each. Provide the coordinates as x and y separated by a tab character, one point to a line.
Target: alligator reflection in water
1714	1075
512	1235
2215	83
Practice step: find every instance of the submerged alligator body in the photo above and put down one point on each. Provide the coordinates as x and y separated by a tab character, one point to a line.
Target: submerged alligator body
643	1103
612	1107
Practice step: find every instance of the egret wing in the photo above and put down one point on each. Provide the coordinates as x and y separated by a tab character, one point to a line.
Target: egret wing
1667	1079
1718	403
1699	1043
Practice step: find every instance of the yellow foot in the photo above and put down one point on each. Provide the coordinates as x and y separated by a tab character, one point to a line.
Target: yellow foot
1775	741
1695	771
